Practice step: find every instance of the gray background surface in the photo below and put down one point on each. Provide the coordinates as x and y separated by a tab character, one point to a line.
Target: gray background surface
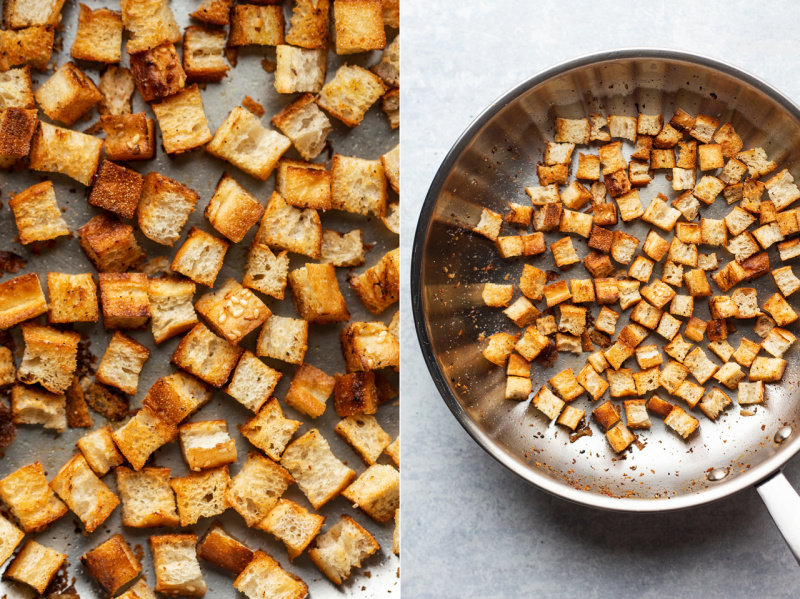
470	528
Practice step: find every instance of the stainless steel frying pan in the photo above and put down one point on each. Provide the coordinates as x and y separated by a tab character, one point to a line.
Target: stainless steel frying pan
489	166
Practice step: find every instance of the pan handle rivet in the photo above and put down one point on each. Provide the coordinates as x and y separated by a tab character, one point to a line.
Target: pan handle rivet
783	434
717	475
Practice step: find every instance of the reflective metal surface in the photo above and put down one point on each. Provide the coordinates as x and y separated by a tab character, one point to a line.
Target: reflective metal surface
379	575
488	167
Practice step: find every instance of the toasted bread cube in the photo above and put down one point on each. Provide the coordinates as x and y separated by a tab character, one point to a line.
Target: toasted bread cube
611	157
510	246
598	361
342	548
489	225
571	417
390	104
292	524
183	123
201	494
67	152
750	393
232	210
765	369
730	375
695	329
722	348
307	127
171	307
37	215
701	367
263	577
376	492
619	185
122	362
388	68
67	95
647	380
624	127
31	46
10	537
252	382
283	339
730	275
84	493
289	228
714	403
568	343
259	156
350	94
500	347
648	356
232	311
269	430
558	153
200	257
619	437
369	346
532	282
668	326
31	405
576	222
673	374
780	310
681	422
787	222
757	162
518	366
636	414
786	280
203	54
690	393
35	565
529	346
147	499
548	217
732	172
746	352
711	156
30	499
703	127
605	214
158	72
224	551
575	131
621	382
544	195
16	89
646	315
17	126
378	287
738	221
125	300
643	149
564	252
116	189
143	435
363	433
50	357
208	357
601	239
522	312
782	190
573	319
557	292
256	25
129	136
662	158
729	140
117	86
358	25
267	272
207	444
8	371
641	269
606	321
629	205
176	567
658	406
768	235
655	246
606	415
639	173
19	14
304	70
519	215
317	471
318	299
359	186
112	564
176	397
789	249
549	175
778	341
164	208
256	489
696	283
590	380
149	23
547	403
649	124
566	385
355	393
99	450
618	353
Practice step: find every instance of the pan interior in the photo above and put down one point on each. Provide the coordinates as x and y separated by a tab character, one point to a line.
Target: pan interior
490	167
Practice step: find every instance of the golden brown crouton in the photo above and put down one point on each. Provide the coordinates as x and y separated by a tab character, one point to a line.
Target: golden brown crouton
204	54
358	25
260	25
150	24
99	35
112	564
350	94
116	189
208	357
31	46
316	294
182	120
158	72
37	215
309	24
129	136
109	244
200	257
306	125
164	208
125	300
68	94
71	153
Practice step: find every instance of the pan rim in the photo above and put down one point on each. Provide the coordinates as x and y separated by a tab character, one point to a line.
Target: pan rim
725	487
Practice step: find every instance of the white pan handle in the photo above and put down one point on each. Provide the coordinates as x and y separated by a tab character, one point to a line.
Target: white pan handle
783	504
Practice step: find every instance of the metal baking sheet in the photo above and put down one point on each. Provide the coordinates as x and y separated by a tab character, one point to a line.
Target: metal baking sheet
379	576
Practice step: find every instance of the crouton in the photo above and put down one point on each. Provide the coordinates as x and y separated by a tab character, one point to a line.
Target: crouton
732	172
497	296
390	104
564	252
129	136
376	492
158	72
378	287
263	577
729	375
619	437
35	565
309	391
67	152
171	307
224	551
147	498
714	403
31	46
252	382
566	385
317	471
519	215
164	208
176	567
489	224
112	564
500	347
576	222
350	94
176	397
17	126
343	547
50	357
643	148
10	537
369	346
780	310
286	227
122	362
256	25
611	158
618	184
518	388
359	186
681	422
30	499
590	380
750	393
201	494
32	405
606	415
757	162
575	131
67	95
309	24
84	493
269	430
200	257
621	382
304	70
307	127
266	272
116	189
789	249
232	311
117	86
639	173
203	54
37	215
208	357
143	435
283	338
99	450
317	297
206	444
125	300
215	12
768	235
768	370
183	123
150	24
662	158
16	89
629	205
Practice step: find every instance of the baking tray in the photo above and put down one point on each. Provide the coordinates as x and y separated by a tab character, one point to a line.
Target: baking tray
379	576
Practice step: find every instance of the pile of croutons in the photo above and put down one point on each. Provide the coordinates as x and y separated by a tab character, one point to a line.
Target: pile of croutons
579	208
55	387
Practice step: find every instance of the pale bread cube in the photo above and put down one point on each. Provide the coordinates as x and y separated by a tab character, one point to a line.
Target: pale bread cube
489	224
283	338
518	388
122	362
267	272
597	124
30	499
636	414
206	356
630	207
10	537
341	548
393	450
522	312
252	382
668	326
147	498
574	131
730	375
621	382
750	393
264	577
661	214
35	565
590	380
701	367
201	494
302	121
647	380
204	54
206	444
673	374
690	393
255	490
50	357
318	299
757	162
363	433
176	567
782	190
388	68
376	492
778	341
714	403
172	312
200	257
722	349
99	450
548	403
269	430
681	422
84	493
164	208
182	120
